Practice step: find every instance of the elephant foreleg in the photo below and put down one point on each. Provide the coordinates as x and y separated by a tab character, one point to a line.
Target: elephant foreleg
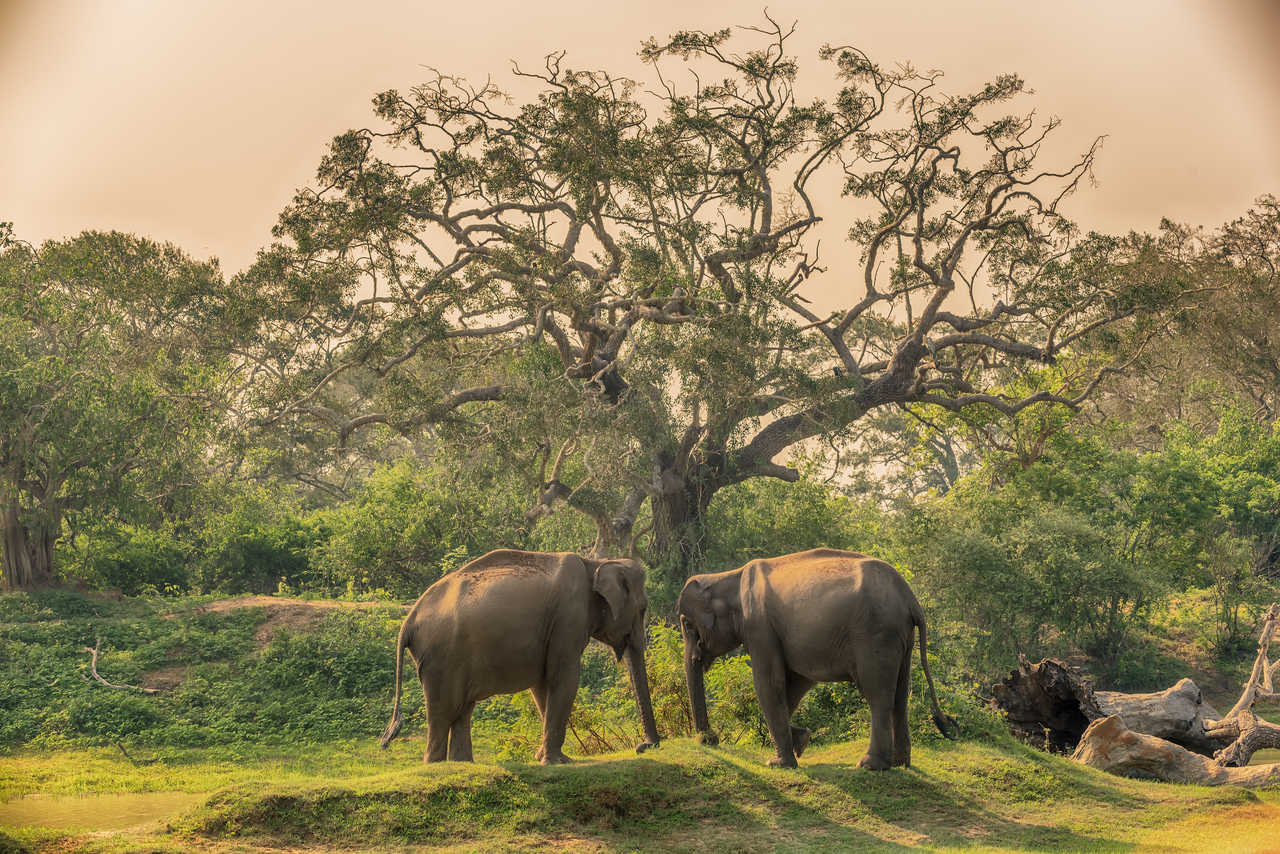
561	688
460	736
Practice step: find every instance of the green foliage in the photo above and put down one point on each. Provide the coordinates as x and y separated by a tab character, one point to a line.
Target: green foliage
331	681
108	384
133	559
257	543
764	516
407	525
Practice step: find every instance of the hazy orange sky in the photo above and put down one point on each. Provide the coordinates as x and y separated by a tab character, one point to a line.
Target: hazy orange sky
195	121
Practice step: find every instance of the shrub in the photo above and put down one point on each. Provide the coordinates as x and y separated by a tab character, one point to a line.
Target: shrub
254	545
130	558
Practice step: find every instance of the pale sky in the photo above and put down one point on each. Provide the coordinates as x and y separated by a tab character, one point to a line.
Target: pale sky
195	121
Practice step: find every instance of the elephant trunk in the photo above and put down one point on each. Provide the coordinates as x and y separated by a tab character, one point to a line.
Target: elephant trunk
640	684
693	670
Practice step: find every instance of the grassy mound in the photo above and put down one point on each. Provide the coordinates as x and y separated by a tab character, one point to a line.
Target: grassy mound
686	797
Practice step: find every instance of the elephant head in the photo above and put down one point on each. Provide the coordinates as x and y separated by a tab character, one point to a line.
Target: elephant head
711	622
619	589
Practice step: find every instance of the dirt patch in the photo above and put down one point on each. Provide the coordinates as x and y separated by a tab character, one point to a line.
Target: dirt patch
292	614
165	678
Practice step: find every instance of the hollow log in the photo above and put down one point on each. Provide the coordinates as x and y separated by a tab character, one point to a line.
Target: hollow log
1111	746
1047	705
1050	705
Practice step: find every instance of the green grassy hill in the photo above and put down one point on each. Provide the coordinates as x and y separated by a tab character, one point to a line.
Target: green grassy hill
264	737
971	796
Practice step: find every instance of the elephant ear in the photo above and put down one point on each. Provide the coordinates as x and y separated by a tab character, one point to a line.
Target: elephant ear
703	619
611	583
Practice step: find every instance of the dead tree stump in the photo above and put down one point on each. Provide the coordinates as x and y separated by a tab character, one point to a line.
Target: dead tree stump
1247	732
1047	705
1050	705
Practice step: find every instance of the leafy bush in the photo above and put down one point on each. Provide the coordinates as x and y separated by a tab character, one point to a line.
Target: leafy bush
407	525
254	545
130	558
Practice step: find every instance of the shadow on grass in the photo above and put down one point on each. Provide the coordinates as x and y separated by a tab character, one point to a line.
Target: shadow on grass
916	807
687	798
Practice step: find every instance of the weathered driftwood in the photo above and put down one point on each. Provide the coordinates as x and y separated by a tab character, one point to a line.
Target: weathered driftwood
1110	746
93	669
1178	714
1048	704
1246	732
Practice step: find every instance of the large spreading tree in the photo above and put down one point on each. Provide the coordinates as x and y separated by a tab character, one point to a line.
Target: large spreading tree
618	285
108	387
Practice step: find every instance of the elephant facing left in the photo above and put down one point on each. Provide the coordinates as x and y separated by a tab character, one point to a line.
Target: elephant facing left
512	620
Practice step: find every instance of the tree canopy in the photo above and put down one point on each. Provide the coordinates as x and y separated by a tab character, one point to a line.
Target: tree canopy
106	388
618	284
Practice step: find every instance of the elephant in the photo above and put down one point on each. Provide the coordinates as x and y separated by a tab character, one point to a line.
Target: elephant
512	620
816	616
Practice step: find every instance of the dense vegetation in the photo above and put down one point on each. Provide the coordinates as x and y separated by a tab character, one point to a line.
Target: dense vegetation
588	321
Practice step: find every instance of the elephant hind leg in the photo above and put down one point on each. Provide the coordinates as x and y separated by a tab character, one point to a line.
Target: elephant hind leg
539	694
901	727
797	687
439	722
878	679
460	736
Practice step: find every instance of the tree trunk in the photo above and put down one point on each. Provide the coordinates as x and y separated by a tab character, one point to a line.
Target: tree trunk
27	554
679	530
1109	745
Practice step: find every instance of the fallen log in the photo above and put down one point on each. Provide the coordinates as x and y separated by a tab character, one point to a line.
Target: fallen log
1178	714
1109	745
1050	705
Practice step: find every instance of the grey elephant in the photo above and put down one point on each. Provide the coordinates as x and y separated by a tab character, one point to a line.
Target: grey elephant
512	620
817	616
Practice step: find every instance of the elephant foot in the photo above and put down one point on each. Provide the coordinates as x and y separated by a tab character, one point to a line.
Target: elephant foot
554	759
782	762
708	737
902	760
799	740
874	763
646	745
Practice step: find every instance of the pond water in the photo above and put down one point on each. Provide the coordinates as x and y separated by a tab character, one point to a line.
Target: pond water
95	812
1262	757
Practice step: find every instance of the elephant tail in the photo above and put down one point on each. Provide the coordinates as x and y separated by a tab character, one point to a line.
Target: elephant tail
945	723
393	728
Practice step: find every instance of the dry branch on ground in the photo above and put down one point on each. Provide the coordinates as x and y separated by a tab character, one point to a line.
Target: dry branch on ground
97	677
1167	735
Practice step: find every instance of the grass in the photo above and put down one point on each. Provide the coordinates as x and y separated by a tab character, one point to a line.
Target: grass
971	796
270	731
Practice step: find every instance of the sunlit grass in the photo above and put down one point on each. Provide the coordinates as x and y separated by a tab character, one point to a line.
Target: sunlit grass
970	796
